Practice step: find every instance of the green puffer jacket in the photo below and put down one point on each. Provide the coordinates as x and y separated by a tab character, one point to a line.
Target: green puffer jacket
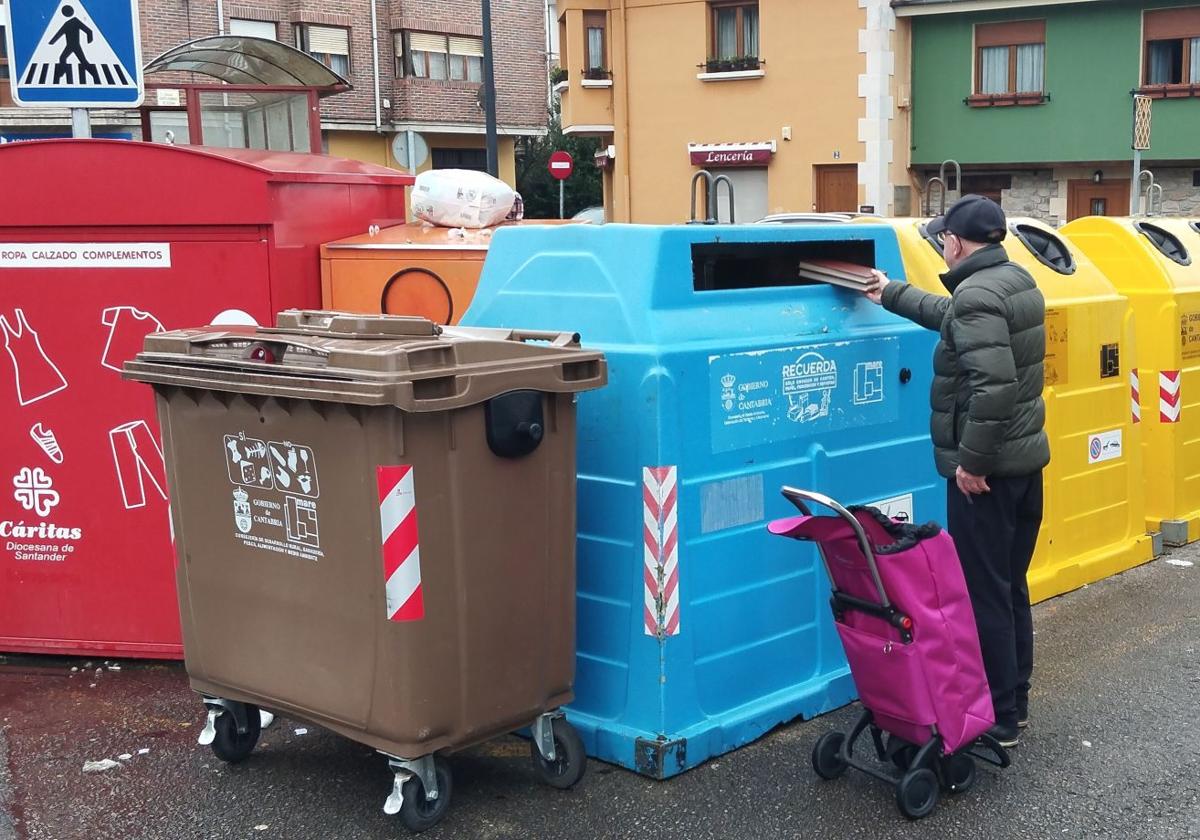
988	413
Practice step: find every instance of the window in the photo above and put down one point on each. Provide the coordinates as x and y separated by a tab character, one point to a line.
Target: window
987	184
1010	58
466	59
595	45
552	30
734	30
329	45
253	28
459	159
429	56
442	57
1172	54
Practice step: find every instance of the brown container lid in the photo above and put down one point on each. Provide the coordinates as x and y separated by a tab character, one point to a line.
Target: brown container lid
410	363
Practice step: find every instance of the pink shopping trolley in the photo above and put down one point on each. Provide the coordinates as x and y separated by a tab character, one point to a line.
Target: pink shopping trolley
901	607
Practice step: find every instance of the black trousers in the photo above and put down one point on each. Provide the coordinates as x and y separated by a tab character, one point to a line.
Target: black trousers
995	534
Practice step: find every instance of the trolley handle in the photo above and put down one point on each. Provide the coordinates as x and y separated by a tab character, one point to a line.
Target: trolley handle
800	498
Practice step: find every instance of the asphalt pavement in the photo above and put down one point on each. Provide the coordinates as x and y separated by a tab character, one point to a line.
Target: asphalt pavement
1111	752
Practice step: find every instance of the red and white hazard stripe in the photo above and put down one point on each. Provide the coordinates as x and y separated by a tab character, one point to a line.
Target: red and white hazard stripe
1135	397
1169	403
660	536
401	543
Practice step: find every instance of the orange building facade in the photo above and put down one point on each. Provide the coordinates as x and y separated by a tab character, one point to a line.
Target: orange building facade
796	101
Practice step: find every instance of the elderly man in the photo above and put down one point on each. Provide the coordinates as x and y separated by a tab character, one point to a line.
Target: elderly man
988	432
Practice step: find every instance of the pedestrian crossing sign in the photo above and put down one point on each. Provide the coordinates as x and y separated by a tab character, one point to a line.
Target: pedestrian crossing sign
74	53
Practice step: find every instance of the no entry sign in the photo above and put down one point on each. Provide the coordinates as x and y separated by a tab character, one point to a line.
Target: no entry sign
561	165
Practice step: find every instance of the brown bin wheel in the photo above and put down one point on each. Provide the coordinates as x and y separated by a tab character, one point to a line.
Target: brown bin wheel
420	814
228	745
570	761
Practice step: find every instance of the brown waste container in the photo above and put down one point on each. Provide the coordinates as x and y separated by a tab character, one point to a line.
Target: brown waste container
375	528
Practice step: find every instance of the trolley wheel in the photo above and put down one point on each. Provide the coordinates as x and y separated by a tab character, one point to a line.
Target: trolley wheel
570	760
420	814
917	793
827	756
228	745
959	771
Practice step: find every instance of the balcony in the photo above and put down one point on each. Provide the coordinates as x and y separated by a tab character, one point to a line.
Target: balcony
587	102
731	69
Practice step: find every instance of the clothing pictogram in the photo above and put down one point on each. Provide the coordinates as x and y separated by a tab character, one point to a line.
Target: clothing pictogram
47	441
136	457
37	377
127	331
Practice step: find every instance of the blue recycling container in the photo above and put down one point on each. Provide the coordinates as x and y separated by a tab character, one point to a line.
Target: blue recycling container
729	376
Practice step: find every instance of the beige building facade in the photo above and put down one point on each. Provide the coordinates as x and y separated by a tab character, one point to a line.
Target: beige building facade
794	100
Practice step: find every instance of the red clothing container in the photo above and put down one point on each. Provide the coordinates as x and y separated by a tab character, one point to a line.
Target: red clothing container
102	242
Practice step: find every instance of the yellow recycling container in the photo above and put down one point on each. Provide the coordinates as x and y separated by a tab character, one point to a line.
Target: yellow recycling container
1151	261
1094	522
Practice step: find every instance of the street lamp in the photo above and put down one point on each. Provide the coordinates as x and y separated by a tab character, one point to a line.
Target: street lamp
489	93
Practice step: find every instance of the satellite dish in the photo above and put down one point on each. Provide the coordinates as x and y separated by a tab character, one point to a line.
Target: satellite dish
420	149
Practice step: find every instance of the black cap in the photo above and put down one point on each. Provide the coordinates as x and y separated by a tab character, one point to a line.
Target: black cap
974	218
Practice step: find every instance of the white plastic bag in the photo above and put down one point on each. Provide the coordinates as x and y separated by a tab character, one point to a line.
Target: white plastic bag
461	198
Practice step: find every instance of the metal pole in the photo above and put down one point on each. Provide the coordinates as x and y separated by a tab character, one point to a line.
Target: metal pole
561	214
1134	193
489	93
375	66
412	153
81	126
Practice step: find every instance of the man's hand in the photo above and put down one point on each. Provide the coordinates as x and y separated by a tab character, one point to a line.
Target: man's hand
971	485
874	292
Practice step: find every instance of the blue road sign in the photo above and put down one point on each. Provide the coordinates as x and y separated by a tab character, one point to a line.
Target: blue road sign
75	53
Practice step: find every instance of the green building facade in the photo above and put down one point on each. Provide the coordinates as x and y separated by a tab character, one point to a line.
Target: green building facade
1035	100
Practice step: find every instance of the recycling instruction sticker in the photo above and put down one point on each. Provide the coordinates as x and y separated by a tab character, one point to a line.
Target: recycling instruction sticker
772	395
275	495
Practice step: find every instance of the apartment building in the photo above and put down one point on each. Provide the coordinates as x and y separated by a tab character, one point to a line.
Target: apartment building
1035	100
793	100
416	67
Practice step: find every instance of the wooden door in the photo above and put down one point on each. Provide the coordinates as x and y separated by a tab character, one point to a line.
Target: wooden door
836	188
1087	198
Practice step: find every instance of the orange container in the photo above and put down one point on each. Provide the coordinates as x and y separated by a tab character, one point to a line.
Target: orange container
411	269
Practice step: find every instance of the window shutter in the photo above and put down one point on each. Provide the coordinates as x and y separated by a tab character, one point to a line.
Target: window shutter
398	44
1008	34
253	28
1168	24
328	39
425	42
466	46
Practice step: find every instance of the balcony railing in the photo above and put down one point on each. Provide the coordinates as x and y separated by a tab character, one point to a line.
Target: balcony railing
740	64
1184	90
1000	100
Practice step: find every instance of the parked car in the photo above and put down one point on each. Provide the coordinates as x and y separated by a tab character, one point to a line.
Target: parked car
591	215
804	218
